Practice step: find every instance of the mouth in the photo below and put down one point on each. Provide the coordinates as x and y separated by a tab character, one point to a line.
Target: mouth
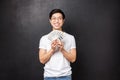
56	24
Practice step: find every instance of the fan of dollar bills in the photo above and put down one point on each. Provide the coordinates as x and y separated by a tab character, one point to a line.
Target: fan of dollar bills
55	34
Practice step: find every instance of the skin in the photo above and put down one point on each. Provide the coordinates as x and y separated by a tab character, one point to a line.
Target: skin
56	22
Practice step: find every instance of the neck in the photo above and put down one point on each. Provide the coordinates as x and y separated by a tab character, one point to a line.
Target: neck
57	29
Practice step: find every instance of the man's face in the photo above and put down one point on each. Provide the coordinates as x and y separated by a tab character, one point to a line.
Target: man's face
57	21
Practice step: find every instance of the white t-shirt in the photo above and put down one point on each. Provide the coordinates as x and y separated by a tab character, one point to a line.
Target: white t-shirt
58	65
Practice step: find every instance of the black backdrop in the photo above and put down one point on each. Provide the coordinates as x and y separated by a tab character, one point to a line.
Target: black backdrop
94	23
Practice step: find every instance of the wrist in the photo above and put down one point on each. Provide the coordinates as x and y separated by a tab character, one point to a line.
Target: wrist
51	51
62	50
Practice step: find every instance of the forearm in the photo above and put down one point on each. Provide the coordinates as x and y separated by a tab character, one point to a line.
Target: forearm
45	57
69	56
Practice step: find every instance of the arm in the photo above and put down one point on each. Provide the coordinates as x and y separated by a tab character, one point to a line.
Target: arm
71	55
44	56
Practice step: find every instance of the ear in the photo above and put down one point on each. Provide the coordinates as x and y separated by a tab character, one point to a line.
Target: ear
50	20
64	20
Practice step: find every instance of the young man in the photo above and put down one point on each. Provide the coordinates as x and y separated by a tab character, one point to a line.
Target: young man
58	53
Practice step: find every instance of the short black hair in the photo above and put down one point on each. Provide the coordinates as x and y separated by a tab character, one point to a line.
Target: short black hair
56	11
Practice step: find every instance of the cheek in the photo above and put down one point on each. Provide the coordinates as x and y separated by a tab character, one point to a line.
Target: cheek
62	22
51	22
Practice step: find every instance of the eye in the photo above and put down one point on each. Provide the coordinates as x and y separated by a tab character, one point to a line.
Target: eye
54	18
60	18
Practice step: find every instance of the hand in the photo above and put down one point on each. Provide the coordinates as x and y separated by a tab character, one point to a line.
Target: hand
54	45
60	45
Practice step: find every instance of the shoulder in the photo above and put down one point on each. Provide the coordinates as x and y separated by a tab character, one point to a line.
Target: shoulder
44	37
68	35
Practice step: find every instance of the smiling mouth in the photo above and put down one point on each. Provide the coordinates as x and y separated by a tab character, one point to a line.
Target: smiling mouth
56	25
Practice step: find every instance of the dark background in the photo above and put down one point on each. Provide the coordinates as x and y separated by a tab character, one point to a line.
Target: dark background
94	23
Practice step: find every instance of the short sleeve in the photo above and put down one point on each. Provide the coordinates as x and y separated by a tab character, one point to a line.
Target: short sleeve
42	43
73	42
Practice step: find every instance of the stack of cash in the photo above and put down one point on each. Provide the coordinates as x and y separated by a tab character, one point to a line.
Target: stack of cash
55	34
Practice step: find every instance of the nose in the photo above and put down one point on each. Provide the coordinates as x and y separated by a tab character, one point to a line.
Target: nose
57	20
